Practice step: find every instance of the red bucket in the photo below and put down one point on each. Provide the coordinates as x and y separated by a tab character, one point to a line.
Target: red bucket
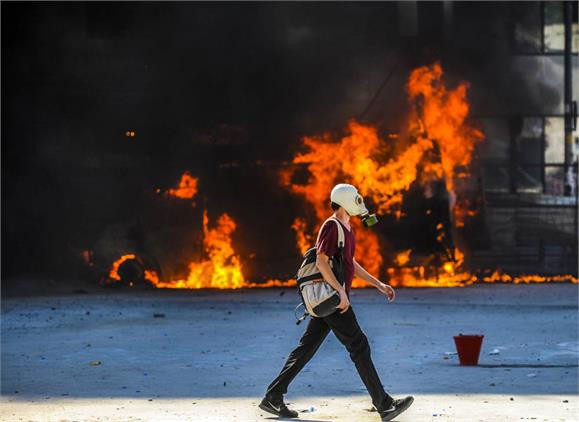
468	348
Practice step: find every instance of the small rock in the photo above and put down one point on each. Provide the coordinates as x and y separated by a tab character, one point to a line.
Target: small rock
224	383
565	401
158	315
95	362
512	399
492	384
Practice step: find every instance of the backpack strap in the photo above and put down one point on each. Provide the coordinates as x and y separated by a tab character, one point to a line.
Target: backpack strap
341	236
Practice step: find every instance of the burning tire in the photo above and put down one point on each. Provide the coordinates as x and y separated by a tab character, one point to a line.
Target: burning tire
132	270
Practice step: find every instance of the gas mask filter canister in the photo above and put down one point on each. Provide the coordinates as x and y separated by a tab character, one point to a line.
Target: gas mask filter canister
369	219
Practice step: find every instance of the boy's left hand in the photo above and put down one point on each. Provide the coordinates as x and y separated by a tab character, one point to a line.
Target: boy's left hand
388	291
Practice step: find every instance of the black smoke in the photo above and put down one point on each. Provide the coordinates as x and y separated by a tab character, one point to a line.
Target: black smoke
224	90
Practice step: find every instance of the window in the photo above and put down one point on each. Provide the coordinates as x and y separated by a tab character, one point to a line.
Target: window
554	27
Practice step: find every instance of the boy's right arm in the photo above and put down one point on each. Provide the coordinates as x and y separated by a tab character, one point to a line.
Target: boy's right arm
324	267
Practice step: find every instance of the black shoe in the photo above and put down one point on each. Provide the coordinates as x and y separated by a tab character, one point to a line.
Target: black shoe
276	406
397	407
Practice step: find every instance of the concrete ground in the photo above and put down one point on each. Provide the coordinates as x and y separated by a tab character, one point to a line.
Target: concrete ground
208	356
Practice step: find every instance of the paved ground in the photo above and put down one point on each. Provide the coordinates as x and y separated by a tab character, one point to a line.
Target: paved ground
208	356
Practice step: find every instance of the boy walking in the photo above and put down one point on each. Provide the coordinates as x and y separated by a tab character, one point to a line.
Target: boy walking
345	202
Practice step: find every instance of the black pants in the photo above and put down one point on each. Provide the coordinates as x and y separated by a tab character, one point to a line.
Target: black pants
346	328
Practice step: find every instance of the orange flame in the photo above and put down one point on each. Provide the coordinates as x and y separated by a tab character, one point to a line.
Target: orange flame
304	240
114	272
441	116
187	188
440	148
222	269
403	257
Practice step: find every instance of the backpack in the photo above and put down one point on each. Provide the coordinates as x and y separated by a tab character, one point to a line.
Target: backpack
318	297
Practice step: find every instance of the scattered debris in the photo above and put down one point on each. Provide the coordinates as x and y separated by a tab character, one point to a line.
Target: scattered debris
80	292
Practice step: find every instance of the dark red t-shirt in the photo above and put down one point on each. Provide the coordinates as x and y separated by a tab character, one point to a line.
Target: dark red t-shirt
328	244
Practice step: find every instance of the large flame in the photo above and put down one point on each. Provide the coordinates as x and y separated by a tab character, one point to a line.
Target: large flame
437	145
222	268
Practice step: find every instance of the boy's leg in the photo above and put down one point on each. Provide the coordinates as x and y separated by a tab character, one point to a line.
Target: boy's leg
315	333
346	328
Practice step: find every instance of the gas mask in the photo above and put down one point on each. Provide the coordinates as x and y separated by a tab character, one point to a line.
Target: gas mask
347	197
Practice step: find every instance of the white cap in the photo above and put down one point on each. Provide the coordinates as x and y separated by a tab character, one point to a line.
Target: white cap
347	196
